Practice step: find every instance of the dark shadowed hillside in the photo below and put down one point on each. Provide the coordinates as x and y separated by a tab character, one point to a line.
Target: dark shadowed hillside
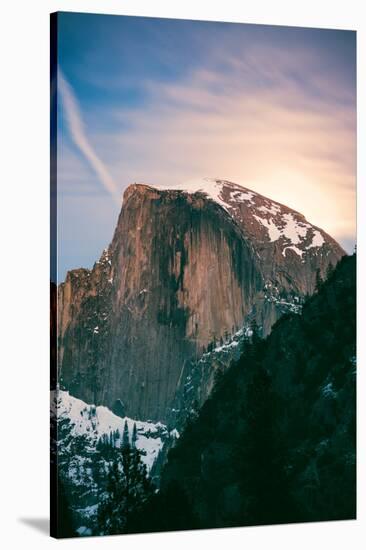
276	440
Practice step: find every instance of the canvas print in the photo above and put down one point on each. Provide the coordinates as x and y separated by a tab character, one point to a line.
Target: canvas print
203	266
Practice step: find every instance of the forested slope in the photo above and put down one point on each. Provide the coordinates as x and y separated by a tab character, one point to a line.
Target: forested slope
276	441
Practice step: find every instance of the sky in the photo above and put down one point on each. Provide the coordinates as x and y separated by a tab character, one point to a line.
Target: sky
162	101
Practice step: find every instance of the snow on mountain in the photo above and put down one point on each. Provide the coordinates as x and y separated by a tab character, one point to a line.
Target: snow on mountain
96	421
213	189
185	266
273	221
83	438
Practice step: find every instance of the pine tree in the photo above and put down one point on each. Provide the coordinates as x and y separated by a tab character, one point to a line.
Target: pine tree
134	435
128	488
111	513
125	437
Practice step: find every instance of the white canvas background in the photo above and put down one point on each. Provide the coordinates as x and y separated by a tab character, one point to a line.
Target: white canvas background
24	264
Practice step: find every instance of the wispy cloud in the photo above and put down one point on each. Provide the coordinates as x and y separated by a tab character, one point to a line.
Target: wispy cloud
257	122
273	109
76	128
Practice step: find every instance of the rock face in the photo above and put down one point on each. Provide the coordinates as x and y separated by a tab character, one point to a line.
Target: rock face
186	266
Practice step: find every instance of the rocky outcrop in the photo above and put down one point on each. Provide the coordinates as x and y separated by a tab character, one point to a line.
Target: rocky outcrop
186	266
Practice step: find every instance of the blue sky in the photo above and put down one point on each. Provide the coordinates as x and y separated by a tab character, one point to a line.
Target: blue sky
162	101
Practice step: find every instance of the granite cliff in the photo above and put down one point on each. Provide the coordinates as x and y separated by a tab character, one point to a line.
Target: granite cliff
187	266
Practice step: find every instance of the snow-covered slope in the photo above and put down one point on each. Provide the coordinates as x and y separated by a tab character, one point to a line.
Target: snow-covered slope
259	215
97	421
85	441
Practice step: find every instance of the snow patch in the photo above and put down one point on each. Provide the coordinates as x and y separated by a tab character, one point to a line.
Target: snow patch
213	188
292	227
272	209
293	230
294	248
84	531
318	239
96	421
274	232
88	511
328	391
241	196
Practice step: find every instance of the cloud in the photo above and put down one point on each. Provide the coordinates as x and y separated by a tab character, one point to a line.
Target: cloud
275	120
77	132
286	133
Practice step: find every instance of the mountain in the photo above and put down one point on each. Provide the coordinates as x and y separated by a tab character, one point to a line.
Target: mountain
187	267
276	440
